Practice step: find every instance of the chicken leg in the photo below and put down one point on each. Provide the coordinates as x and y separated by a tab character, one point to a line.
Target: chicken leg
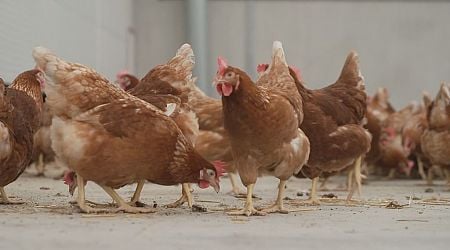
357	179
248	209
40	166
323	185
278	206
137	194
235	190
313	200
123	205
5	200
422	173
81	199
430	176
186	196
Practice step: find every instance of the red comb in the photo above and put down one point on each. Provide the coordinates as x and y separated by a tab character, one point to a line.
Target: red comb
297	72
222	65
122	73
262	67
220	167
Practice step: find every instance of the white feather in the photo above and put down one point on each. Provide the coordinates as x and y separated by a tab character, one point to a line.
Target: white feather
170	108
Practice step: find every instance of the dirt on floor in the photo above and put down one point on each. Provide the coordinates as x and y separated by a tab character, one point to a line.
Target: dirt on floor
390	214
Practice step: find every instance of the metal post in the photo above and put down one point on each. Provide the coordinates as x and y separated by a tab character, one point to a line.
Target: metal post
196	14
250	17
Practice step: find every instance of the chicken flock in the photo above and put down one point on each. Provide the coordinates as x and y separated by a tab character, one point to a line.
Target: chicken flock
165	130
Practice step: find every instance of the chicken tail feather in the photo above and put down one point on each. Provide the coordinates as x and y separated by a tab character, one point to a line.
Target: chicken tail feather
351	74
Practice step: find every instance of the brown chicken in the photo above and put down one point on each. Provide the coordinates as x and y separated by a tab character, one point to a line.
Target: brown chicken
412	132
20	107
253	114
393	157
112	138
212	141
333	123
435	141
156	88
373	125
43	152
380	106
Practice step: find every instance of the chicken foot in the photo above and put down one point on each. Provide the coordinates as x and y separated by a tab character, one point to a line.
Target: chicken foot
5	200
357	179
235	190
248	209
81	199
186	196
135	202
40	165
313	200
422	173
278	206
123	205
323	185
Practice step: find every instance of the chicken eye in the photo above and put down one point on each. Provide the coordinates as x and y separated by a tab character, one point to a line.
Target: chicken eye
230	74
211	172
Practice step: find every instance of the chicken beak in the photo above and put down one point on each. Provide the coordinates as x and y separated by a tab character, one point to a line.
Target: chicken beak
215	185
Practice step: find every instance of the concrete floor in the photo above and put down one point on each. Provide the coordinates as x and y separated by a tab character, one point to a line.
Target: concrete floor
47	221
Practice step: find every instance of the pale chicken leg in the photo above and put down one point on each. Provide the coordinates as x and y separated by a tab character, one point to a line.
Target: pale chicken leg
422	173
234	185
5	200
81	199
357	179
123	205
40	165
248	209
313	199
137	194
278	206
186	196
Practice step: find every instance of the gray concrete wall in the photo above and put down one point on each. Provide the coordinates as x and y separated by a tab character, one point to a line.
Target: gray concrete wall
95	33
403	45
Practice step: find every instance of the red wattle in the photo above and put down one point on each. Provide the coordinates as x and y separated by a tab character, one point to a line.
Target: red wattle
227	89
219	89
203	184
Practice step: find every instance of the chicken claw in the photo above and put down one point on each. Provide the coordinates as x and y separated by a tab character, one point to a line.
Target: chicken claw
81	199
6	201
278	206
236	191
186	196
123	205
313	200
137	194
248	209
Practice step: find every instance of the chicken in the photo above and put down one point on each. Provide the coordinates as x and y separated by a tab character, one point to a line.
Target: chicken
412	132
373	125
395	121
380	106
393	157
43	152
253	114
112	138
20	107
333	122
126	81
212	141
156	89
435	141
